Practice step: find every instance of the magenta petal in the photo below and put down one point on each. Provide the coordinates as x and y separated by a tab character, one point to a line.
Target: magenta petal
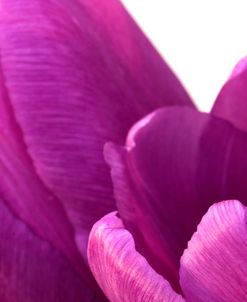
32	270
31	201
176	163
74	80
122	273
231	103
214	267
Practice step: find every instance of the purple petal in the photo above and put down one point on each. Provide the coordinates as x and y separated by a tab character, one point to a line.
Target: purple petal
77	74
31	201
231	103
122	273
177	162
214	267
33	270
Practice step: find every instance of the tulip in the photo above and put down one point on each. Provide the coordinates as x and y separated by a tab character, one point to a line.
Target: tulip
181	193
74	75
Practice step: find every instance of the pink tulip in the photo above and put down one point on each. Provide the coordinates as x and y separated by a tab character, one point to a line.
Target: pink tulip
74	75
173	238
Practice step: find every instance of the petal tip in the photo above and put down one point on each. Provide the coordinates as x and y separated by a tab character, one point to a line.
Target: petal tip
123	273
239	68
130	141
214	255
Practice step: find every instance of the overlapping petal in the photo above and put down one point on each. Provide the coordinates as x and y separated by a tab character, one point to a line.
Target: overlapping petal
231	103
176	163
31	201
27	195
33	270
123	274
72	81
214	267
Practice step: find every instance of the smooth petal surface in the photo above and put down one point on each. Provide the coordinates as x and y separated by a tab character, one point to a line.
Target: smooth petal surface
32	270
75	79
122	273
231	103
214	267
176	163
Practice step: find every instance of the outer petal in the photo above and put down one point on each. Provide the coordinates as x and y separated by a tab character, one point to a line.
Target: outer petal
32	270
76	79
214	267
123	274
27	196
176	164
231	103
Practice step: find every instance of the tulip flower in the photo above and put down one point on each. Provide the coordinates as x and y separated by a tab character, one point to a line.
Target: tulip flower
74	75
181	192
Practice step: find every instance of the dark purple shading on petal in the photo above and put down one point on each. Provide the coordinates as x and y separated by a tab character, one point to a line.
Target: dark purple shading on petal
122	273
77	74
231	103
214	267
176	163
32	270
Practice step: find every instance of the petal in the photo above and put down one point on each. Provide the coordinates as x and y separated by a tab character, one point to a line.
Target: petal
28	197
31	201
176	163
214	267
75	81
32	270
231	103
122	273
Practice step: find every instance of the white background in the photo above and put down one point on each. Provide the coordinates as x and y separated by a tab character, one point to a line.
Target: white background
201	40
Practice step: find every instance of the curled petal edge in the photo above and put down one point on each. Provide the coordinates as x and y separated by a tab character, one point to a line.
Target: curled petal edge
122	273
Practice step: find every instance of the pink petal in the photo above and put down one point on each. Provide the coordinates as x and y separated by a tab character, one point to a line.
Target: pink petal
214	267
30	200
32	270
122	273
176	163
78	73
231	103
